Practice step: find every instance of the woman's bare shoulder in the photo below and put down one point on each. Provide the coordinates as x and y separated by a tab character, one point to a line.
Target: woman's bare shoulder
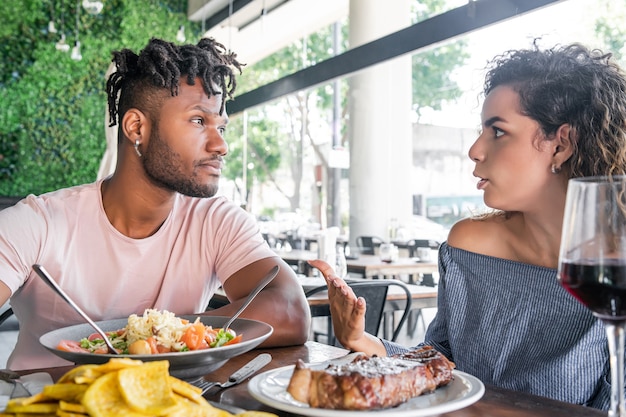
484	234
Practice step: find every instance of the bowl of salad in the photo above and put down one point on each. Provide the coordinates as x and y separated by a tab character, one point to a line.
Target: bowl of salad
194	345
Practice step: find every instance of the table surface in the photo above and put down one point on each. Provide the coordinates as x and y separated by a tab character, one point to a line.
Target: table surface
371	265
367	266
496	402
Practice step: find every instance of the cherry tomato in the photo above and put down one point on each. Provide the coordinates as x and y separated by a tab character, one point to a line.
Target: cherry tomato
234	340
194	337
209	337
154	347
163	349
94	336
71	346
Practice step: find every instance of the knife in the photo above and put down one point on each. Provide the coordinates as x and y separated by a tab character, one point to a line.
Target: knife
239	376
248	369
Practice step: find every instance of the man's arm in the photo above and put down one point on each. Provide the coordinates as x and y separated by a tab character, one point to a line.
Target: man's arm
281	303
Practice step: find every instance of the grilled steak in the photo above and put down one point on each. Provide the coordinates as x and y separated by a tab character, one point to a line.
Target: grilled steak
374	382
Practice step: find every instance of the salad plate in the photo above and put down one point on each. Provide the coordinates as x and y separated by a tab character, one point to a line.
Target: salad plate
184	365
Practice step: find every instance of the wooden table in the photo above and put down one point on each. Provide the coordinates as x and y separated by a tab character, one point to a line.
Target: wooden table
366	266
298	258
496	402
370	266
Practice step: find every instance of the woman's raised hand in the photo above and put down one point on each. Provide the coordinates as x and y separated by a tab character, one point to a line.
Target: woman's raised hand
347	311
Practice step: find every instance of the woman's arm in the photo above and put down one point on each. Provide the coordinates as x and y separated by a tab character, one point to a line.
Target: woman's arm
348	314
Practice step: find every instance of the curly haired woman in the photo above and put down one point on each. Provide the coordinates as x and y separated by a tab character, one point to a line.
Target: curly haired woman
548	116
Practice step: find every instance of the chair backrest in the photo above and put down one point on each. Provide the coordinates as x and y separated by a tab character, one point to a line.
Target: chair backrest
8	201
367	244
375	295
413	244
8	321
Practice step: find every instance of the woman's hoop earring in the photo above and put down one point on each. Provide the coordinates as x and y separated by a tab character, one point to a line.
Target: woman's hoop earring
555	169
137	148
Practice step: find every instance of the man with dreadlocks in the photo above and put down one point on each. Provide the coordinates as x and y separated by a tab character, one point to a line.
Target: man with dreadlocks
151	235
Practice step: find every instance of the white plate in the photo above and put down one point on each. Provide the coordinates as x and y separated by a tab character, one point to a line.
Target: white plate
270	388
183	365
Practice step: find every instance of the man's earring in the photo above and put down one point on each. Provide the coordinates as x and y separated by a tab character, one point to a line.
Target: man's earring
554	169
137	148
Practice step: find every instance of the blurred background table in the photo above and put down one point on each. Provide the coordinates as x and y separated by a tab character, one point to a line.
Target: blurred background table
366	266
371	266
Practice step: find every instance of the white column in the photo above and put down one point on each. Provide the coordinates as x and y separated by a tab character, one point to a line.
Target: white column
381	151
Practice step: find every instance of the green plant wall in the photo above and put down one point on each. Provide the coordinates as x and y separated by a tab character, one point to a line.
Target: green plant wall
52	108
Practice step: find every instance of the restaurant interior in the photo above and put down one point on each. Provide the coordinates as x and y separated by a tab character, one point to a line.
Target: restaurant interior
351	189
357	187
380	178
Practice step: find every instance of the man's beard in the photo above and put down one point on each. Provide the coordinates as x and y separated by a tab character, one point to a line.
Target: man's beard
165	169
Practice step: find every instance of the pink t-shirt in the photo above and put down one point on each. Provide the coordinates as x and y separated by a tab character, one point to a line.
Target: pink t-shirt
109	275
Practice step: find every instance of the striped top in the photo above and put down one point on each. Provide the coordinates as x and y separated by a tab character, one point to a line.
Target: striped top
512	325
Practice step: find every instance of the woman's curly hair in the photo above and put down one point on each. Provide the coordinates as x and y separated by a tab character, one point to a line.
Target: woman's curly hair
571	85
140	79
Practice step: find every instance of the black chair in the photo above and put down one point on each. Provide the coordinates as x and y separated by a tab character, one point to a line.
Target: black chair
413	244
8	201
375	295
8	321
368	244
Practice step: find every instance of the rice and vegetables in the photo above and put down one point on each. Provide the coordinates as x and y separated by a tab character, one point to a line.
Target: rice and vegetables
156	332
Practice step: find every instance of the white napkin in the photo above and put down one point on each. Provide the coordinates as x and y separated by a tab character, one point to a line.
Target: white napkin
326	244
34	383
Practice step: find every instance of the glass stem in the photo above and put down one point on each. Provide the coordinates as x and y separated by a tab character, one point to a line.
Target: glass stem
615	336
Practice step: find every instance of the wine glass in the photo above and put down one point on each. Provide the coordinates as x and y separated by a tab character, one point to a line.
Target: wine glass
592	263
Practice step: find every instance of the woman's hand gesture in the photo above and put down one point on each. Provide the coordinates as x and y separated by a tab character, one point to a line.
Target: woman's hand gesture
347	313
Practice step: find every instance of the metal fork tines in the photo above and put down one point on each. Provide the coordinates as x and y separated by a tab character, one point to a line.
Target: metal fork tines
205	385
19	390
240	375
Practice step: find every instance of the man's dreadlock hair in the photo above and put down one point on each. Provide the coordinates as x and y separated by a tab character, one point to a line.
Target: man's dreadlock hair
140	79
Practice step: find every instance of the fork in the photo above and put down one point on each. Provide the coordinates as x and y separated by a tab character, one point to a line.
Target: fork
239	376
19	390
205	385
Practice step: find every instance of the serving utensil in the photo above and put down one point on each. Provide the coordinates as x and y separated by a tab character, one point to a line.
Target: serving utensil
266	280
43	274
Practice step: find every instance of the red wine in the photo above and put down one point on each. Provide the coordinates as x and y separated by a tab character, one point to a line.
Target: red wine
600	287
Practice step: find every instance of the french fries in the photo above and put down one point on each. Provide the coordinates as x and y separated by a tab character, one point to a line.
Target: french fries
120	387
